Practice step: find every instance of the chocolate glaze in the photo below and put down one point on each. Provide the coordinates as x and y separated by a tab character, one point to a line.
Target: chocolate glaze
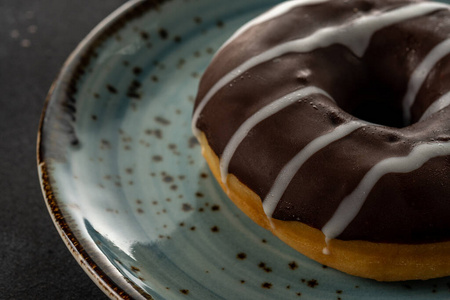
401	208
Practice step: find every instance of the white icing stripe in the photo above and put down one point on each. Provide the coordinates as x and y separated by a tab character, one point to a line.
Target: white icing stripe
420	74
351	205
259	116
291	168
271	14
355	35
437	105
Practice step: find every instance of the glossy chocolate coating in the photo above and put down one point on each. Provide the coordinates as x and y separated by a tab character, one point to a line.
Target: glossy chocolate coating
402	208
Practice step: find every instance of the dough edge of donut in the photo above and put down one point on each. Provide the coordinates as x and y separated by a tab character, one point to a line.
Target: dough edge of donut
379	261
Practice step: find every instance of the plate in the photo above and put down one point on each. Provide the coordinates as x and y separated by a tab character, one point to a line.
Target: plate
125	182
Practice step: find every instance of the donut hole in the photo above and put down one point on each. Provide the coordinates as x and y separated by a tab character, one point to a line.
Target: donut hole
359	86
379	105
394	54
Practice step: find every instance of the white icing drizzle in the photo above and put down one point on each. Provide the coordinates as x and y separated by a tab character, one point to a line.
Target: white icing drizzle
355	35
259	116
351	205
420	74
436	106
276	11
291	168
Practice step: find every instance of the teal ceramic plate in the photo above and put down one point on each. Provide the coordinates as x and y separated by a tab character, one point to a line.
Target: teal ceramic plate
127	187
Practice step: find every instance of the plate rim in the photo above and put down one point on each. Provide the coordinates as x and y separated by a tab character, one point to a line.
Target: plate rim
110	281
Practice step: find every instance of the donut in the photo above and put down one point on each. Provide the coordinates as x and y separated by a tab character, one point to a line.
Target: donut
328	123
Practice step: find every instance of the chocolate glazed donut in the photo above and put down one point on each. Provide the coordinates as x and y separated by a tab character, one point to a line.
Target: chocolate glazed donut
334	115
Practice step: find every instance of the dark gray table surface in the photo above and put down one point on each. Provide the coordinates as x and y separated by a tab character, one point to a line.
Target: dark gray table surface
35	39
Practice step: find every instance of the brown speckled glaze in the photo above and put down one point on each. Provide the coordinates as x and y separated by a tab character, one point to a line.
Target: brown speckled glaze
48	134
165	211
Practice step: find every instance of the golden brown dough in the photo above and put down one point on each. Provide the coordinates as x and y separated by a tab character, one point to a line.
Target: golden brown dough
379	261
